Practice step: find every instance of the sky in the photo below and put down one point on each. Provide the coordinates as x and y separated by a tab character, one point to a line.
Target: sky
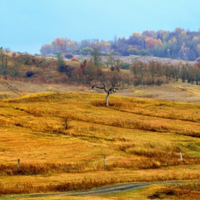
26	25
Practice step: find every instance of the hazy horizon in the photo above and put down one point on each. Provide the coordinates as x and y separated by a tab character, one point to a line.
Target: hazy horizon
27	25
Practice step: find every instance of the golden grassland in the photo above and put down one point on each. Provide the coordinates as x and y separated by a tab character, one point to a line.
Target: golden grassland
62	138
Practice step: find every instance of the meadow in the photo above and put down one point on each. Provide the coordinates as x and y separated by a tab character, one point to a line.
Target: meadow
62	138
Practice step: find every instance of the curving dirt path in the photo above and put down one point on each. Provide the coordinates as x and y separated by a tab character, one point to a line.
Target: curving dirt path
101	191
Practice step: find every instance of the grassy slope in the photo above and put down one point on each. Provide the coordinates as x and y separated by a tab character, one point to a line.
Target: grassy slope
61	139
141	137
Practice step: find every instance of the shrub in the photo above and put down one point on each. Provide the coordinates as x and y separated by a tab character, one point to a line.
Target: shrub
143	52
133	51
159	81
63	68
30	73
125	66
86	51
68	55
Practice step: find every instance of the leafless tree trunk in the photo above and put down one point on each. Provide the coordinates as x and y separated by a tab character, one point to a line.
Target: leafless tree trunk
109	91
107	104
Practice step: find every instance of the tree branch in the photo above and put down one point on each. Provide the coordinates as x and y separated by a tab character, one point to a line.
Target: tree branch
100	87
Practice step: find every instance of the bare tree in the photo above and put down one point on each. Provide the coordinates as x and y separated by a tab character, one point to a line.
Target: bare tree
110	83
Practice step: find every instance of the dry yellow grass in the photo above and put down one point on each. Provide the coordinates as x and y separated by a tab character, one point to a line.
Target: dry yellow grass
167	192
61	140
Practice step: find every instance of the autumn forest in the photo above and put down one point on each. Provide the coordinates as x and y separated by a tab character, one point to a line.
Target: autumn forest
178	44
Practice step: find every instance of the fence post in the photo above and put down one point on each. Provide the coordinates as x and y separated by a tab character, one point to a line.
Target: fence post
105	161
181	156
18	163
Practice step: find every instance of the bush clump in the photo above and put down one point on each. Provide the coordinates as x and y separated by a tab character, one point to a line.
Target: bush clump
69	55
125	66
30	73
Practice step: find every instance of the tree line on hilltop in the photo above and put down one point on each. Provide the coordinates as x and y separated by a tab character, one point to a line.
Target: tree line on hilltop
177	44
96	72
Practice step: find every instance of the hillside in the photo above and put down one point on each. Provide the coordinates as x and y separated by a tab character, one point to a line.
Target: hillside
61	140
132	70
23	74
61	130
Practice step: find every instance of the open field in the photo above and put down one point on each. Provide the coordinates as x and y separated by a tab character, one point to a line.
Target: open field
61	137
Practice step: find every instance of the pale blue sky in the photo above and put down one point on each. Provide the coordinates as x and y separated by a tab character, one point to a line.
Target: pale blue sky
28	24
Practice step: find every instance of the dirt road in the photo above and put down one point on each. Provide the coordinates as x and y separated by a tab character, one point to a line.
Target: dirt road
96	192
